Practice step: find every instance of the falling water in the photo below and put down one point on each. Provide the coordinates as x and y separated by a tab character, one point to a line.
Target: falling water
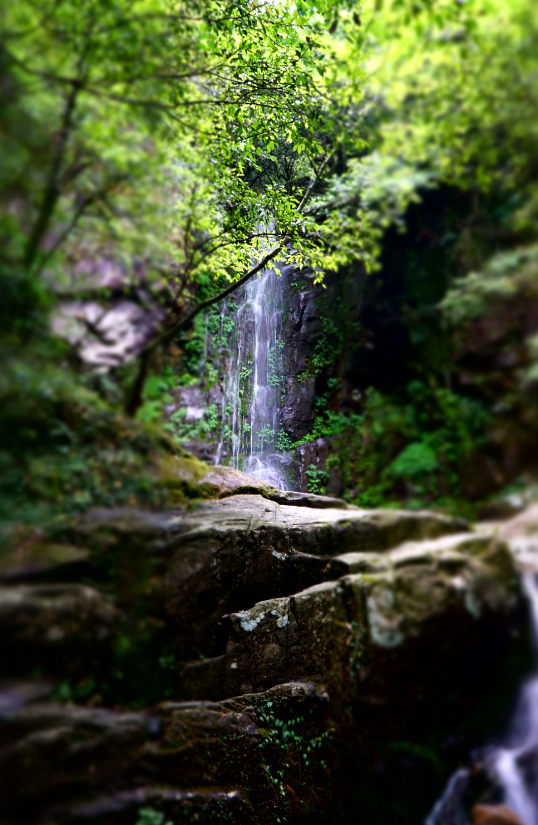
252	403
447	808
514	765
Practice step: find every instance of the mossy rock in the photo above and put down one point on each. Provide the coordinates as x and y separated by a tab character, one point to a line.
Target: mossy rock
185	477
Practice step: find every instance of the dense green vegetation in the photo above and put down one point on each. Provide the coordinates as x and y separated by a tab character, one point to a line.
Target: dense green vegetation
452	164
185	145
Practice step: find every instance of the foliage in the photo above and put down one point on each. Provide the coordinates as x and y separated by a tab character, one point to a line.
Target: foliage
157	391
183	431
504	275
317	479
416	461
329	424
284	442
173	139
398	452
150	816
458	83
274	363
64	449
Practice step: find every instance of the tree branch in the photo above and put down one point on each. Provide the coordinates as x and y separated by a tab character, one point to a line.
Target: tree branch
52	190
169	333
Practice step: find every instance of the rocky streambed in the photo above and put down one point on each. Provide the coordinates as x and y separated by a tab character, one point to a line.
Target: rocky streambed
254	657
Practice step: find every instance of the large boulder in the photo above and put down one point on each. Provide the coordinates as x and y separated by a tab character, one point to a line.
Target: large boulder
353	632
306	654
186	477
232	553
256	742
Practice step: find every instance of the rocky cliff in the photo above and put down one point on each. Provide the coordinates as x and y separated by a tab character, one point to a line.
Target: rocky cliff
254	657
420	354
311	337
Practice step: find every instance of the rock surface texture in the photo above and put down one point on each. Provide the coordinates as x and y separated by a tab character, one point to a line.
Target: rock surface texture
311	661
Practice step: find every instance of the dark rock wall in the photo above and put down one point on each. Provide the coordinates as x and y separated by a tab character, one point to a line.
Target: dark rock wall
250	661
323	341
322	361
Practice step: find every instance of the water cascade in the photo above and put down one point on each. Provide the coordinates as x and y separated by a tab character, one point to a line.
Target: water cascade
254	393
513	766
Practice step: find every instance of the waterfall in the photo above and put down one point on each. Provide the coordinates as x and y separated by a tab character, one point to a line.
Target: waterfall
446	809
513	766
254	392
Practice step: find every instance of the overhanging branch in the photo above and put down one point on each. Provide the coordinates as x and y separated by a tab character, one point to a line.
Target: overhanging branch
185	322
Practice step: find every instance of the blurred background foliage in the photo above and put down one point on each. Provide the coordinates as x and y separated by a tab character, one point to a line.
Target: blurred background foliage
136	141
451	181
174	142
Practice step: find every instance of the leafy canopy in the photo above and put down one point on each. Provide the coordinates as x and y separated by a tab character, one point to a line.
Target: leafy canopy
135	131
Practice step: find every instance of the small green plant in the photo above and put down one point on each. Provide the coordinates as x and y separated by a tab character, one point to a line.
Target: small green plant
265	436
317	479
284	443
302	377
183	432
67	692
157	392
297	285
211	374
286	735
149	816
415	461
274	359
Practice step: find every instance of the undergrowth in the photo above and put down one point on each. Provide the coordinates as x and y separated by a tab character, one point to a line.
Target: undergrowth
408	451
65	449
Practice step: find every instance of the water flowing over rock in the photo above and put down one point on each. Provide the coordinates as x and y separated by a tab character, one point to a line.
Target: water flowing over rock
265	357
251	407
516	764
512	767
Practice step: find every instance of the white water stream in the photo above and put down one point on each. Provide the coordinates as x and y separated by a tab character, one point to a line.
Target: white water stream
253	398
514	765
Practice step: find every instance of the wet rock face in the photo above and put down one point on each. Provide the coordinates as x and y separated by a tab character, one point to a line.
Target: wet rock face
302	329
377	615
316	453
245	548
318	658
307	363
